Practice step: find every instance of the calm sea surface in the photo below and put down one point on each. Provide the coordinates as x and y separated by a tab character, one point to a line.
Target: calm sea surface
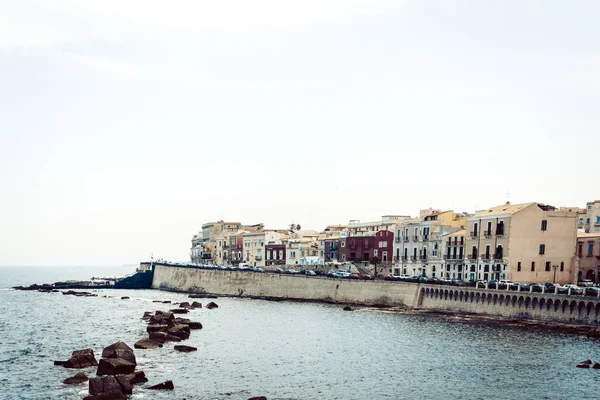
281	350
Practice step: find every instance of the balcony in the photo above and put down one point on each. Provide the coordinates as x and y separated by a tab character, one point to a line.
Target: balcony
473	257
487	234
423	257
500	232
415	238
258	258
413	258
485	257
425	238
406	238
398	240
474	234
497	256
404	258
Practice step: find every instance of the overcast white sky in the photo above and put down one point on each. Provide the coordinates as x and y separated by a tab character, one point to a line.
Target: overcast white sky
125	125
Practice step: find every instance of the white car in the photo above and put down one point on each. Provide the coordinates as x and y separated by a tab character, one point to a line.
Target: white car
574	288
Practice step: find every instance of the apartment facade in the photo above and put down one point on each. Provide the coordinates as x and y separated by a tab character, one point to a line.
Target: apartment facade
528	242
590	221
419	244
454	255
254	244
362	249
275	254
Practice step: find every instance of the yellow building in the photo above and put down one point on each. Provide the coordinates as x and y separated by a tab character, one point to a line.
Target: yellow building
528	242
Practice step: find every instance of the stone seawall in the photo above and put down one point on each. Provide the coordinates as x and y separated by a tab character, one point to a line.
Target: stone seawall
300	287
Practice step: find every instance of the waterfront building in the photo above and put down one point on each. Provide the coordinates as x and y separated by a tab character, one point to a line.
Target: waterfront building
528	242
275	254
588	255
236	248
387	223
454	254
362	249
590	221
297	250
419	243
211	246
254	244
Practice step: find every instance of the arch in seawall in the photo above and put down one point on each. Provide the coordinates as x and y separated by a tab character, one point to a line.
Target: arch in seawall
589	309
436	293
488	298
542	303
477	298
556	305
521	301
580	308
534	303
597	307
471	297
572	306
565	306
514	299
495	299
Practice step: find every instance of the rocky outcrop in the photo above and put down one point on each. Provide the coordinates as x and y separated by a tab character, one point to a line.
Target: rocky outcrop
159	337
168	385
212	305
195	304
80	359
115	366
78	378
185	304
180	330
147	343
185	349
157	328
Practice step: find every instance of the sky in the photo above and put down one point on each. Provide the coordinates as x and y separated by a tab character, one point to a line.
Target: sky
124	126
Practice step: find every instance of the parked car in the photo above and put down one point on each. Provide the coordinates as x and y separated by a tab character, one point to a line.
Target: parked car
585	283
341	274
394	277
291	271
550	287
536	287
574	288
592	291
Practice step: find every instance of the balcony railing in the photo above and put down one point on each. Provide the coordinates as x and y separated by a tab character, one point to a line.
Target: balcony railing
258	258
413	258
487	234
404	258
497	256
423	257
415	238
485	257
474	234
425	238
406	238
500	232
473	256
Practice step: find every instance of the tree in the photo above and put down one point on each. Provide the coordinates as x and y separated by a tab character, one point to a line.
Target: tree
294	228
375	261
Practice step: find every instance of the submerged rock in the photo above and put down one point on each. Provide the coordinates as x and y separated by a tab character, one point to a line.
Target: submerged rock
347	308
78	378
195	304
168	385
125	298
137	377
212	305
258	398
582	365
185	349
179	311
147	343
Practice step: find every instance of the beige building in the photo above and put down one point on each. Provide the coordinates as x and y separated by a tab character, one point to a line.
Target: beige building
588	254
454	255
255	242
210	246
528	242
298	251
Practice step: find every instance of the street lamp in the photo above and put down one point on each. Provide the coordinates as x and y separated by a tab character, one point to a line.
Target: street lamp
554	267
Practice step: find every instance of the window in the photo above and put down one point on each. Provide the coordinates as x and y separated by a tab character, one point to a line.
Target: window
343	243
562	266
542	249
519	266
587	220
544	224
581	220
489	228
580	250
598	219
474	253
590	249
375	253
589	207
547	265
533	266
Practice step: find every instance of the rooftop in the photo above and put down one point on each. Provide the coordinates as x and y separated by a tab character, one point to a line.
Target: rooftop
502	210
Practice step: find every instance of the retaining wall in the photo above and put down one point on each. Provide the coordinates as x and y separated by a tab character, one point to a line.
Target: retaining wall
253	284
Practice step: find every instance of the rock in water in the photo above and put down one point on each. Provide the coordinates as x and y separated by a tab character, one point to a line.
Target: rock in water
185	304
78	378
157	328
179	311
212	305
582	365
110	385
125	298
195	304
159	337
194	325
119	350
115	366
348	308
147	343
185	349
168	385
81	359
258	398
596	366
180	330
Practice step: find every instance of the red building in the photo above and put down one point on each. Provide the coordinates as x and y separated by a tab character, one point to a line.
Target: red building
235	254
275	254
365	248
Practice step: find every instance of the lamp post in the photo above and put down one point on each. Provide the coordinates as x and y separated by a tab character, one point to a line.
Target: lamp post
554	267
